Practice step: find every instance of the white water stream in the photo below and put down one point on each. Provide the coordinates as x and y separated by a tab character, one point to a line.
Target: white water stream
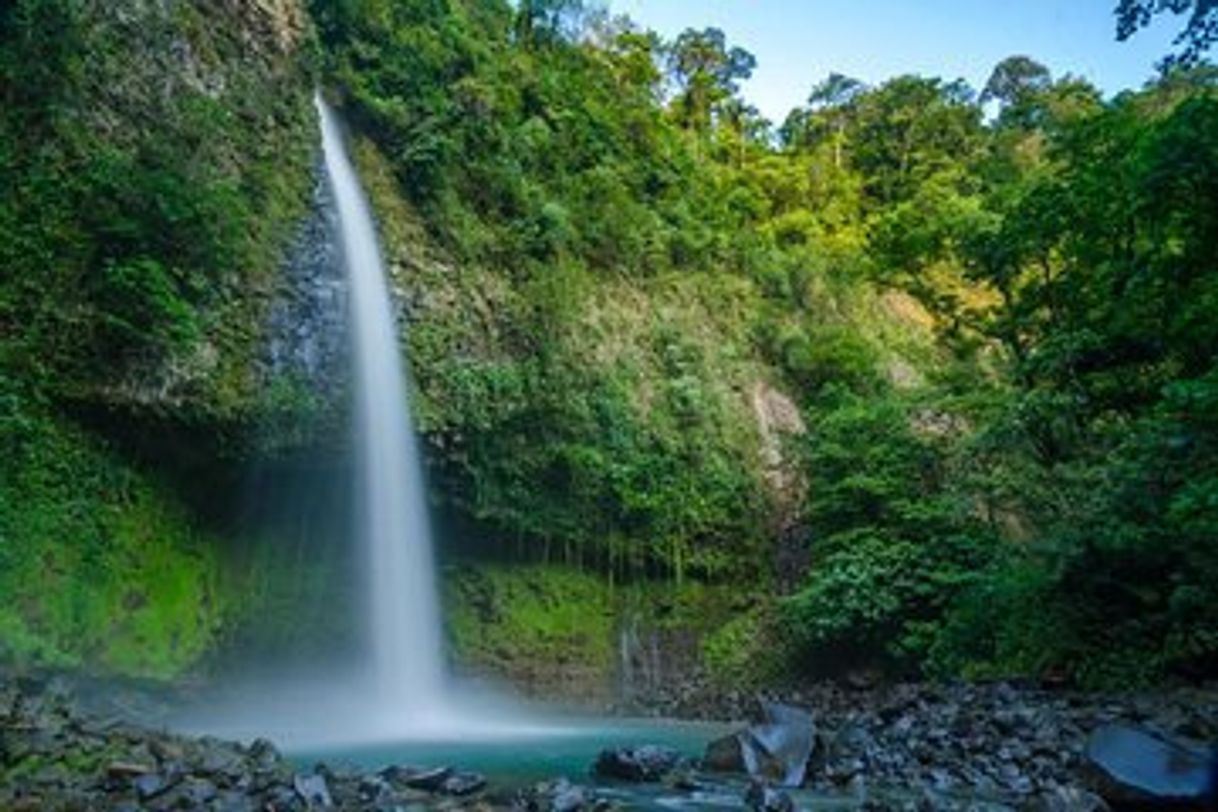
392	527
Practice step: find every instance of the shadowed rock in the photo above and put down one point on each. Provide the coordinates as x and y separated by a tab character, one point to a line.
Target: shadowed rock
648	762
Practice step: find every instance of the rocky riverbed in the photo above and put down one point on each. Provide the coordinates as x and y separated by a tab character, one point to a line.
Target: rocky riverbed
909	747
55	755
1023	747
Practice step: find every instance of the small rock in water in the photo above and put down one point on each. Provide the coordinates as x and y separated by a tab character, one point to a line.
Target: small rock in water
374	788
646	763
556	796
567	797
724	755
461	784
312	790
429	780
761	798
777	748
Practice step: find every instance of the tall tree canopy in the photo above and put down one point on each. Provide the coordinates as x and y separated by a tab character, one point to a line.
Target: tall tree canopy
1200	31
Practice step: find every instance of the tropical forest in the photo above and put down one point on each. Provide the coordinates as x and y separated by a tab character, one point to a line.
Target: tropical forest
480	405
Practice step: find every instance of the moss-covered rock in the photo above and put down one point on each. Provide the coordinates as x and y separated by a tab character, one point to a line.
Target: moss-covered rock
558	632
100	564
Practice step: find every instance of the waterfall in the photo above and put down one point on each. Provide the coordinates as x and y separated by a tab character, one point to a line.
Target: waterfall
392	526
401	691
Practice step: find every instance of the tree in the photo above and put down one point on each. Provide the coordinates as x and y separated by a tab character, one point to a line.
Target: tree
543	21
1198	35
909	129
708	72
837	90
1015	81
830	102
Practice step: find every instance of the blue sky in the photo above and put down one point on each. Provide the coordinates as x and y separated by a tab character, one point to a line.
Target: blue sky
798	42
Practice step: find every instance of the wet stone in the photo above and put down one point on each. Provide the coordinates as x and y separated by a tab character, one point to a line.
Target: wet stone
462	784
761	798
313	790
150	785
430	780
645	763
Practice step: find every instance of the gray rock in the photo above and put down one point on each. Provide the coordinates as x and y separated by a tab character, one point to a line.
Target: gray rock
374	788
462	784
645	763
150	785
313	790
762	798
430	780
196	792
725	755
567	797
776	749
781	745
1067	799
556	796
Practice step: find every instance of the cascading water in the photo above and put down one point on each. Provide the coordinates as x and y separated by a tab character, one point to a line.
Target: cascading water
392	526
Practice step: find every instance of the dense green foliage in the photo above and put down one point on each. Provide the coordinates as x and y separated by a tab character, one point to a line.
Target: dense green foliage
999	333
144	207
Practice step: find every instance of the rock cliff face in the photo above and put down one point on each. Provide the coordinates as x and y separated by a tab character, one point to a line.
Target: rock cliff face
156	166
221	91
307	325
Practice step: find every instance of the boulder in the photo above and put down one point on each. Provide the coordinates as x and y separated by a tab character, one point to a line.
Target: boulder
312	790
462	784
780	746
1131	767
725	755
648	762
777	748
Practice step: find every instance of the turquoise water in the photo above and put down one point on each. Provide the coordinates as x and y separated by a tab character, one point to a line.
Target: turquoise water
568	748
569	751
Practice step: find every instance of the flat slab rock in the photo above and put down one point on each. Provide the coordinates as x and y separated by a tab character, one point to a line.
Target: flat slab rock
1134	767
